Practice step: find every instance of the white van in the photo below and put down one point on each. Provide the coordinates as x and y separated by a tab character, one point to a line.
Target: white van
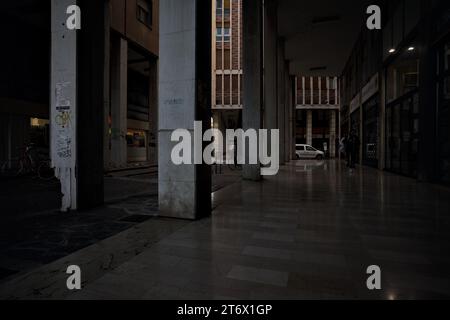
304	151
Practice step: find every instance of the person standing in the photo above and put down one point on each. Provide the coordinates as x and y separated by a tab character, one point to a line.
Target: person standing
352	149
342	147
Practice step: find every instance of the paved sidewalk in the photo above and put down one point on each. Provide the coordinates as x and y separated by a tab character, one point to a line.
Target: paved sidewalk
310	232
34	233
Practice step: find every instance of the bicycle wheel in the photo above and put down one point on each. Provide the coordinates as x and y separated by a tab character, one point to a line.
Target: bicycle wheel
45	172
20	171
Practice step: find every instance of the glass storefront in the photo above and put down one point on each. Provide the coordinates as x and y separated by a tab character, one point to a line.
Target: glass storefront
40	132
402	114
370	132
402	132
443	116
137	145
355	119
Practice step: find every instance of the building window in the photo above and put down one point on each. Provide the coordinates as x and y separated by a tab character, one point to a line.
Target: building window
219	7
332	84
145	12
223	33
223	7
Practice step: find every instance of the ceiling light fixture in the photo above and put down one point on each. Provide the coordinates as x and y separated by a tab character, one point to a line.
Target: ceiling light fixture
411	49
391	50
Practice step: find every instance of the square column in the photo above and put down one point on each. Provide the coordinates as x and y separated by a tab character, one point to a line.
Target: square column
252	15
382	124
119	102
287	114
77	100
292	99
153	123
294	92
332	142
427	163
309	127
91	97
64	103
281	92
270	65
184	97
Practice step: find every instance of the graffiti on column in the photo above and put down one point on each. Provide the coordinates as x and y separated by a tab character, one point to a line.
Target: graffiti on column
63	122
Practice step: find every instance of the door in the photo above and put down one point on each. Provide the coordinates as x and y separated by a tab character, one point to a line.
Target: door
310	152
300	152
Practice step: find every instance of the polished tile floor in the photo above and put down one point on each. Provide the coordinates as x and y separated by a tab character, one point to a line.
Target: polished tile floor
309	233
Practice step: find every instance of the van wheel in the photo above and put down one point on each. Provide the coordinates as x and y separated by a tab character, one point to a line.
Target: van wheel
319	157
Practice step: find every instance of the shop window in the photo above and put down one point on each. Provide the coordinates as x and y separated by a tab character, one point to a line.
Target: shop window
402	76
136	139
145	12
443	114
447	58
138	96
40	132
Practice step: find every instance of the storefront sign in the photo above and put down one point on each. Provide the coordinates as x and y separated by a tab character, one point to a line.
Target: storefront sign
370	89
355	103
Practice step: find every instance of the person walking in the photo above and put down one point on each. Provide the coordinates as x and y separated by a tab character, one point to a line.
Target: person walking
352	149
342	146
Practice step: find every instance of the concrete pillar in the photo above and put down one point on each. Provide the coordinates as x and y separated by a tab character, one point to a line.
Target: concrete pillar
332	143
281	93
119	102
382	123
107	95
77	103
91	97
428	165
270	65
184	97
309	126
287	111
64	103
361	132
294	84
252	11
153	125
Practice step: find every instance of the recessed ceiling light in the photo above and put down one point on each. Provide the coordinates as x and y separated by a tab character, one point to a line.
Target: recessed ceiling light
411	49
391	50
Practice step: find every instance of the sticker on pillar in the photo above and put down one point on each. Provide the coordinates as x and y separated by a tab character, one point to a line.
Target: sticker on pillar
62	125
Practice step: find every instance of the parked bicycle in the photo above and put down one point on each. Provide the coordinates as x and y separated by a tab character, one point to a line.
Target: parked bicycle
29	162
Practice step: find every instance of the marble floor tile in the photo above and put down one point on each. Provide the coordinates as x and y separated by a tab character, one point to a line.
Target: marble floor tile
264	276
